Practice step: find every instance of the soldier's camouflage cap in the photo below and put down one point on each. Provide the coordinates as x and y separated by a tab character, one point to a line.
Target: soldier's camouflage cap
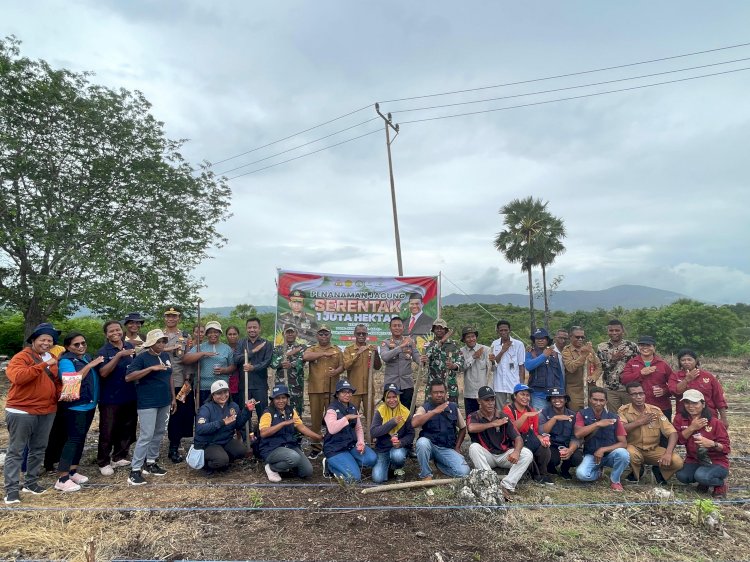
289	328
440	322
296	294
324	328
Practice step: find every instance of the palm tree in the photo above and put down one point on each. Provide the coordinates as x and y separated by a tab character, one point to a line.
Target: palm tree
550	240
516	242
532	236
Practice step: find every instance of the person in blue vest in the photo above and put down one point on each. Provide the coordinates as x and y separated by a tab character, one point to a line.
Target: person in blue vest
543	368
443	430
556	419
344	443
215	425
393	433
278	443
79	409
604	441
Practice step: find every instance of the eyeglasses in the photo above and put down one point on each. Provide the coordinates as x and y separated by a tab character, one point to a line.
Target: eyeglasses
79	344
580	337
637	394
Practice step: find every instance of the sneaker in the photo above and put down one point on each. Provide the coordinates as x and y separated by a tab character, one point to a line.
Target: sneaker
67	486
314	454
107	470
136	478
326	472
273	476
720	491
175	456
12	497
616	487
153	468
547	479
34	488
121	463
79	478
426	478
566	475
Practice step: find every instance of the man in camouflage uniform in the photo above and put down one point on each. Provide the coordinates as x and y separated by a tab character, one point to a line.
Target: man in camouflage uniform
306	325
614	355
444	359
290	367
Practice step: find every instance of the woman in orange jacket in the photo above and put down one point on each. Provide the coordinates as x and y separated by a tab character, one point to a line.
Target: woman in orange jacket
30	409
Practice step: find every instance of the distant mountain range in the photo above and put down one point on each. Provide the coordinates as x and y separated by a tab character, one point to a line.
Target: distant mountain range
626	296
226	310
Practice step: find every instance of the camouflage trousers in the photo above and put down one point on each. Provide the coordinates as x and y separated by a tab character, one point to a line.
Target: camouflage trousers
450	383
296	384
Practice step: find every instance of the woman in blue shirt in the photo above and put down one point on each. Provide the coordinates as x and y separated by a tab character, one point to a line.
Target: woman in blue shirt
79	413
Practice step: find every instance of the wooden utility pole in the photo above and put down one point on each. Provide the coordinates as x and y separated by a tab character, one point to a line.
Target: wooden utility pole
389	125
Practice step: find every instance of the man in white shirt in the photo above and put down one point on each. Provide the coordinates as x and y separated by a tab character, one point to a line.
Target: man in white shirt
507	355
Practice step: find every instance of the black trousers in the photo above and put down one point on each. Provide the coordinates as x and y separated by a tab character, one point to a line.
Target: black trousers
117	427
182	421
78	424
58	435
574	460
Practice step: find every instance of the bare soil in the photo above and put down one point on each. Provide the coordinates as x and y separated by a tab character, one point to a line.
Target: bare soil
239	516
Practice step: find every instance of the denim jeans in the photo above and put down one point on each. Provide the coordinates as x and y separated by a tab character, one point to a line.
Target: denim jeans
347	465
449	462
31	430
153	427
617	460
712	475
396	458
539	400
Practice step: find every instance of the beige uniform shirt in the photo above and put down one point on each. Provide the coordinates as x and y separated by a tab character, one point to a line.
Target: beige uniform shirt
320	382
645	437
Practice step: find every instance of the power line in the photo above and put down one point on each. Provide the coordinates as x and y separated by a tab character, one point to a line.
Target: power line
480	101
567	75
292	136
212	164
296	147
302	155
573	97
532	104
569	87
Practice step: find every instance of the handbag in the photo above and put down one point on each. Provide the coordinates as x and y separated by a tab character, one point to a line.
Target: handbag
195	458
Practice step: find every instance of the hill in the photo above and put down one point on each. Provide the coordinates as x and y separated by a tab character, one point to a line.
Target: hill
625	296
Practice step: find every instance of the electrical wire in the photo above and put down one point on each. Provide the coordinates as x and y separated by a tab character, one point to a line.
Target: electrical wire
394	111
568	74
573	97
293	135
297	147
302	155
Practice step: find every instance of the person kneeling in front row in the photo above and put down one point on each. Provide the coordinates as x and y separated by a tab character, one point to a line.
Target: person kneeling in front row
443	430
344	442
278	444
393	433
496	442
217	421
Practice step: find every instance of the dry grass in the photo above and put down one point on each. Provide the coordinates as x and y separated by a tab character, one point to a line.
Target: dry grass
618	532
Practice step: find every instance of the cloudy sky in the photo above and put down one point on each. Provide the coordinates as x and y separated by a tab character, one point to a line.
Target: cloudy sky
652	183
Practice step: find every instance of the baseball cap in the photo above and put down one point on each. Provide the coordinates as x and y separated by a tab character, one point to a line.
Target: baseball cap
485	392
219	385
692	395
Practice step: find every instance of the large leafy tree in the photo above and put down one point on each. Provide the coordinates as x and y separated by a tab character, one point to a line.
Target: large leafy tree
98	208
532	237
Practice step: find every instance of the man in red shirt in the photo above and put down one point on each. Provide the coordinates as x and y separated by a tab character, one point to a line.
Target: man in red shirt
604	441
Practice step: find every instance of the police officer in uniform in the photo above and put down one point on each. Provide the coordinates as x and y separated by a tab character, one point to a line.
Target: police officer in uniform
181	420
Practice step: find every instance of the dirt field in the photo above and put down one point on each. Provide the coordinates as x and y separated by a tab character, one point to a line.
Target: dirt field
239	516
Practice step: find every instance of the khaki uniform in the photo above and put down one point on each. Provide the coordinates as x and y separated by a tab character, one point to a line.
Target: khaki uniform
643	441
357	370
320	385
574	362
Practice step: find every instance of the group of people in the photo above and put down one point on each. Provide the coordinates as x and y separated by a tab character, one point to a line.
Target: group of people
546	410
